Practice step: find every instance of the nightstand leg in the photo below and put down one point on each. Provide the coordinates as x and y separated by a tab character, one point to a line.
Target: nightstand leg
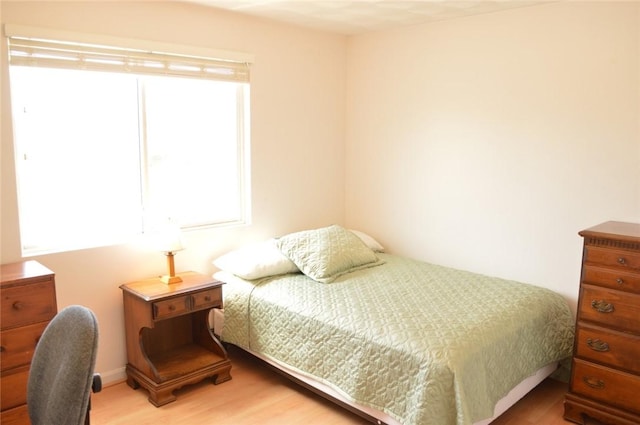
223	376
132	382
161	397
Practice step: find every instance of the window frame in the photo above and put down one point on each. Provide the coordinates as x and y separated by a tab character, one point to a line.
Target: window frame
227	66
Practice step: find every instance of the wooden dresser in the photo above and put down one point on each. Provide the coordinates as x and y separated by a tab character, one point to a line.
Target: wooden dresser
605	377
28	297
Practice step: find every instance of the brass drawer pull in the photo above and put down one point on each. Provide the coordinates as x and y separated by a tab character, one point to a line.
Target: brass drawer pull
596	383
602	306
597	345
621	260
18	305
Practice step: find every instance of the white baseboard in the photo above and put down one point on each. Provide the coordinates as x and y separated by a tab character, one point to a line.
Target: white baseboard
112	377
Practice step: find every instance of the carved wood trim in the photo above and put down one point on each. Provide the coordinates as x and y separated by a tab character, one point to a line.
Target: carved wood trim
610	243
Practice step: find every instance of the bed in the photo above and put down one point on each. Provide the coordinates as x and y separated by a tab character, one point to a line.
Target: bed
398	340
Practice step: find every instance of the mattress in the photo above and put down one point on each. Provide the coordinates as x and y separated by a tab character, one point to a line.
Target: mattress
424	344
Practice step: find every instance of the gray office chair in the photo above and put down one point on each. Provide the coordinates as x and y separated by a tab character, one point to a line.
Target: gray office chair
62	377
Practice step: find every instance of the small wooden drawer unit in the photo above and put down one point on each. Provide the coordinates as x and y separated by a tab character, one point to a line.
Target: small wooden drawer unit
169	342
28	304
605	376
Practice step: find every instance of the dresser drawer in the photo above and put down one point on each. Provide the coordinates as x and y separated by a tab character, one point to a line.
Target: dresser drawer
611	348
612	257
171	308
612	278
207	299
606	385
13	387
27	304
620	310
17	345
16	416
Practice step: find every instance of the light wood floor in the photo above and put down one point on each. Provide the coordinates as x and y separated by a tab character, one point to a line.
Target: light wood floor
258	395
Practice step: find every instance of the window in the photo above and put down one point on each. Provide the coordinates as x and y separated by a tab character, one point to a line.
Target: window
103	152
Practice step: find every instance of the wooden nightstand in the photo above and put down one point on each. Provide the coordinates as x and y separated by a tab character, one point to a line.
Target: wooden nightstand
169	342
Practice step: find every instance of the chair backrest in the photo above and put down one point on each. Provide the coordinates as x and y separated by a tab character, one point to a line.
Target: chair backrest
61	374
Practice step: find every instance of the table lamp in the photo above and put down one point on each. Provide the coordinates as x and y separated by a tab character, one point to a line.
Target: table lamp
169	242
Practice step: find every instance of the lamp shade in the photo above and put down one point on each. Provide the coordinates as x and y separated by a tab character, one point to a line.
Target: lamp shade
169	238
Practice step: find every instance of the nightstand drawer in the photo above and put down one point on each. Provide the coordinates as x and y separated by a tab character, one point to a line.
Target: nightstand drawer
170	308
612	257
607	385
612	348
26	304
620	310
207	299
18	345
612	278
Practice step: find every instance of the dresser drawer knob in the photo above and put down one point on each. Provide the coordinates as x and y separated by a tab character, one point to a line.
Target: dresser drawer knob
621	260
207	298
597	345
602	306
2	348
18	305
619	281
596	383
172	307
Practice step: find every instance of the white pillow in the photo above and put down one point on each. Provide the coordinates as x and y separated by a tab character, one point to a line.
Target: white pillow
368	240
256	260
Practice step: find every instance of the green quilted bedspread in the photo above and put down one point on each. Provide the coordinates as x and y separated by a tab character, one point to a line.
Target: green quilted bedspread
426	344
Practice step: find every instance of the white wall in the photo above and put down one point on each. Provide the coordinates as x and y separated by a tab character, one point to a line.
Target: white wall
297	146
486	143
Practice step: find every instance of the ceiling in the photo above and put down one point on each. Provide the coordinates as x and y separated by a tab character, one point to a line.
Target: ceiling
359	16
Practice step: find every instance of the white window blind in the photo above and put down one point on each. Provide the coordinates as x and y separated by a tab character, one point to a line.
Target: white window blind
29	46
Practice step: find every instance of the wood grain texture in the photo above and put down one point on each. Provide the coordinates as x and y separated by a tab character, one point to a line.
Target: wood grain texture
605	379
258	395
28	303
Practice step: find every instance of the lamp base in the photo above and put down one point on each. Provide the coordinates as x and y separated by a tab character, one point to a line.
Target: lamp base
170	279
